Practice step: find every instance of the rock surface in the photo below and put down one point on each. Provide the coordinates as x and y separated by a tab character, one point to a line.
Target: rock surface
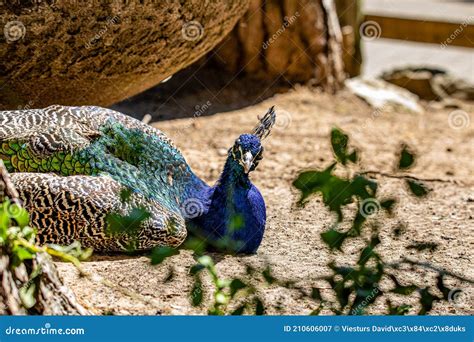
75	53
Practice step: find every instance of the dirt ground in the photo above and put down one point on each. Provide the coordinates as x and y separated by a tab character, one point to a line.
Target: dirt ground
292	242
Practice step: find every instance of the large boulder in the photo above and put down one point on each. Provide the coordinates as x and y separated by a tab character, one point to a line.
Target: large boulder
98	53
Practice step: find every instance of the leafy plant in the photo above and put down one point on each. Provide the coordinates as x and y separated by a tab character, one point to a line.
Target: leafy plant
18	241
356	287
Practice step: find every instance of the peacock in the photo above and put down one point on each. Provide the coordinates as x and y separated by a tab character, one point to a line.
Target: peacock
73	165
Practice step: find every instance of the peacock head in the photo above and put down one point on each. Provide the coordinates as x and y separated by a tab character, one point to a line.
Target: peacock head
248	150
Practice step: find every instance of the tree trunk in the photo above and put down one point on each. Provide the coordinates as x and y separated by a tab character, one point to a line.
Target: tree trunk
292	41
98	53
351	17
52	296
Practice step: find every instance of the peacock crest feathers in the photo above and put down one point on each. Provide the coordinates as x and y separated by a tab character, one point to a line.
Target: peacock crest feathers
263	129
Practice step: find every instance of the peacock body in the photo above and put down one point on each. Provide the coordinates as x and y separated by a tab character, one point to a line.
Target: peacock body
71	165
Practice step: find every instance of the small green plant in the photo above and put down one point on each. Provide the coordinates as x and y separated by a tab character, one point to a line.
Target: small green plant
357	286
17	240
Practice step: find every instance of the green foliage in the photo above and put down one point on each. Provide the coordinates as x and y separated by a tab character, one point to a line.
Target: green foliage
129	224
356	287
337	192
339	142
159	254
407	158
17	240
417	188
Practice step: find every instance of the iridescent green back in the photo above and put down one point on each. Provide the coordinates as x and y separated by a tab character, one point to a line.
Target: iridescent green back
90	141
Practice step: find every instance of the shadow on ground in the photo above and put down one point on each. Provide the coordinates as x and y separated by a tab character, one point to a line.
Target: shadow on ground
198	91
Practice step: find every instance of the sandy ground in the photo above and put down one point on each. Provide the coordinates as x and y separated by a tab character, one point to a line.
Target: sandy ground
292	243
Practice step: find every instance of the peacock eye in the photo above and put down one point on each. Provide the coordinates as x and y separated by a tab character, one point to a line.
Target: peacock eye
236	151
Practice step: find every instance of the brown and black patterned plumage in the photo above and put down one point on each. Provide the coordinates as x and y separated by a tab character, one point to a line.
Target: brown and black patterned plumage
70	165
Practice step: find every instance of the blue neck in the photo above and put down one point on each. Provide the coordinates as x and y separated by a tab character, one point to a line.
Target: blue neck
233	176
236	211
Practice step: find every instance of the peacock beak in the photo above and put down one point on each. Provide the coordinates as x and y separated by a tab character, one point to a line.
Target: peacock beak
247	162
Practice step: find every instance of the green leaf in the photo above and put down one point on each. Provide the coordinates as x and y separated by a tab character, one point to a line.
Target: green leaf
206	261
259	307
417	188
317	311
333	238
235	286
236	223
196	292
310	182
368	252
267	274
407	158
398	310
400	289
127	224
316	294
388	204
22	253
441	287
339	142
239	311
125	194
197	245
404	290
426	301
28	294
20	215
195	269
159	254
